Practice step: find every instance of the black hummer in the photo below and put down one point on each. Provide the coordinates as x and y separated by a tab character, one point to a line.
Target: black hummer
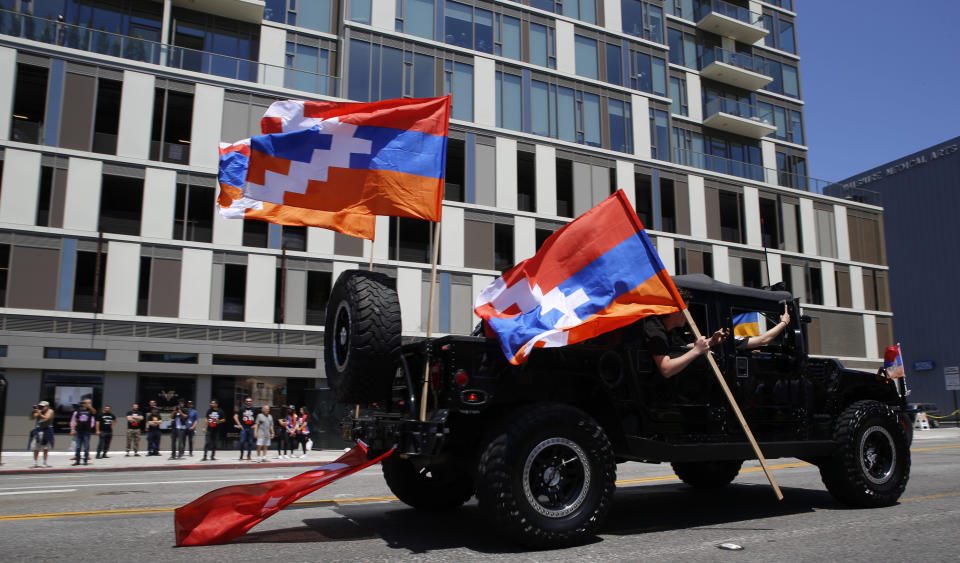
538	444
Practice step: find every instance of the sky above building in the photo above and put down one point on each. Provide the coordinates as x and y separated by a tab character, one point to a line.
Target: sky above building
880	80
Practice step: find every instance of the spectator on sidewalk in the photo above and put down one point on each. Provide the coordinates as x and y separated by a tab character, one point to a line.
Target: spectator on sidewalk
263	429
105	431
285	433
153	421
213	420
244	421
303	430
43	425
180	425
134	426
82	424
175	428
193	419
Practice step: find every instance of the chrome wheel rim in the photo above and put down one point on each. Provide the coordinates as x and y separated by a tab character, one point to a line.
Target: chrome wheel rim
556	475
878	455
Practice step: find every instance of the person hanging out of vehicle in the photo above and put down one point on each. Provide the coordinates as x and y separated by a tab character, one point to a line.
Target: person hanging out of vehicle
660	333
744	343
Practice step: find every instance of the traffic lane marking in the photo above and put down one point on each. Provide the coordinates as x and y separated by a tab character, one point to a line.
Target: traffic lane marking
133	511
48	491
141	483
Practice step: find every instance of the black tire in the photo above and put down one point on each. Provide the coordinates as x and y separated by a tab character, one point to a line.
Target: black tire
707	474
362	337
546	476
871	464
430	489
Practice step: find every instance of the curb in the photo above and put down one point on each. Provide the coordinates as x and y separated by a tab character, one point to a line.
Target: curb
193	466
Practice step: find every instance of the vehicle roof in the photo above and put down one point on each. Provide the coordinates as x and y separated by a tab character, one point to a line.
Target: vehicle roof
701	282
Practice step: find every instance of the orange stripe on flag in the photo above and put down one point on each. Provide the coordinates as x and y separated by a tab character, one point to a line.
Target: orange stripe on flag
353	224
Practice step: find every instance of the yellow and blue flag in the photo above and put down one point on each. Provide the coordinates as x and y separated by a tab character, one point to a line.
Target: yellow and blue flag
746	324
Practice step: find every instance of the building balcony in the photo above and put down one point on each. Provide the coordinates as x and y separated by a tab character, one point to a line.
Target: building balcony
134	48
735	117
244	10
737	69
733	21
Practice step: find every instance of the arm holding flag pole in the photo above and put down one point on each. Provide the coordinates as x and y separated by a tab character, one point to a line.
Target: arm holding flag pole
736	409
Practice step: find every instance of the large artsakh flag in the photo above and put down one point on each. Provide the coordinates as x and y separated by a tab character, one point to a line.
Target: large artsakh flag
596	274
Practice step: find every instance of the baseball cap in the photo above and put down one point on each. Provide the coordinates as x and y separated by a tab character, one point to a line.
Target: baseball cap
44	404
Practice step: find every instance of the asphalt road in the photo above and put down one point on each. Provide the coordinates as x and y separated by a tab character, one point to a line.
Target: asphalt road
127	516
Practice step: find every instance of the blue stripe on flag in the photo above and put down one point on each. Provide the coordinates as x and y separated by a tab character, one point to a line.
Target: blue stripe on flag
746	318
618	271
233	169
397	150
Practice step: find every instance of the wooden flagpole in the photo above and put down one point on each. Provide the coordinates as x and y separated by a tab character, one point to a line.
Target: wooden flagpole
433	285
736	409
371	256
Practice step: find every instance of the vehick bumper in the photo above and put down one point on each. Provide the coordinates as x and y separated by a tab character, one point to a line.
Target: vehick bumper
381	431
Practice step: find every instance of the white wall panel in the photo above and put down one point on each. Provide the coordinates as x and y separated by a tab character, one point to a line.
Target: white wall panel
843	234
546	179
721	263
870	336
196	274
381	244
227	232
640	110
261	288
774	268
768	150
409	288
808	227
697	206
566	56
829	284
205	130
484	92
136	115
21	187
451	237
694	95
383	14
159	198
319	241
506	173
122	278
8	68
856	288
626	181
524	238
665	248
82	202
273	45
751	215
611	16
295	297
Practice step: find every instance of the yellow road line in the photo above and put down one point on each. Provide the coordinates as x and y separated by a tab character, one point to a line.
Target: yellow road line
134	511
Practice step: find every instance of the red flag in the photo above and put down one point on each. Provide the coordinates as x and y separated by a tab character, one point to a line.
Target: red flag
227	513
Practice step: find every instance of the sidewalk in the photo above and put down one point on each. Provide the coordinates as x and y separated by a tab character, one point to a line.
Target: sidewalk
20	462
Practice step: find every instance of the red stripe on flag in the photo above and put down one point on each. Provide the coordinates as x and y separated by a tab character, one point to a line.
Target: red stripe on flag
426	115
578	243
230	512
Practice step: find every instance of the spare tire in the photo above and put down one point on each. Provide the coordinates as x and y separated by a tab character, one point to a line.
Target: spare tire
362	336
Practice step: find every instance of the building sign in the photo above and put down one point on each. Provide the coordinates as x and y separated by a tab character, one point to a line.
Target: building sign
951	376
904	165
923	365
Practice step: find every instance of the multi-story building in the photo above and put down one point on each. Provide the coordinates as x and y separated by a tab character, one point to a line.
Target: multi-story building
920	219
120	280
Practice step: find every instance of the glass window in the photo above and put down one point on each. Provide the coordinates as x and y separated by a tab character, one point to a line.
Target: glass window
796	127
29	104
391	73
642	78
418	18
459	24
508	37
234	289
360	11
459	82
542	46
614	65
586	56
675	40
509	92
121	203
621	134
678	96
786	37
780	120
683	9
74	354
308	68
656	23
659	135
540	110
791	85
689	51
193	213
87	293
483	30
590	120
566	109
642	19
314	14
358	79
765	112
659	76
172	123
424	74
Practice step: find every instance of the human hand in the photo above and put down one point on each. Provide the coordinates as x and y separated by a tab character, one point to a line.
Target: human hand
701	345
73	432
719	336
785	317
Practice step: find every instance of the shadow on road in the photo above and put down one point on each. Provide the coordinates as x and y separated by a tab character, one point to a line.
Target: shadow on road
637	510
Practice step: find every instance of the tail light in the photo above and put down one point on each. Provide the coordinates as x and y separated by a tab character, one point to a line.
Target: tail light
461	378
435	375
